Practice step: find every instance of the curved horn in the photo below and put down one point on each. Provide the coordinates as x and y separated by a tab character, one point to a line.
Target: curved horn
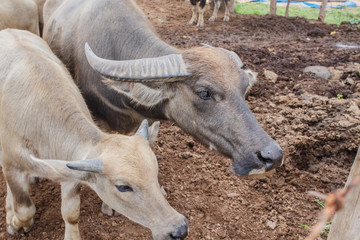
172	67
207	45
237	58
90	165
233	54
143	130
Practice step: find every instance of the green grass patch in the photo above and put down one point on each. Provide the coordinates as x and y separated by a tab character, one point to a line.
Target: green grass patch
333	16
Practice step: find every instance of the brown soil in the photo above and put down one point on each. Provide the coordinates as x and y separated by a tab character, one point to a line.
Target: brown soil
318	132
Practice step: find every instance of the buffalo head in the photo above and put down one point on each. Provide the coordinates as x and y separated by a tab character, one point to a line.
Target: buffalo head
202	90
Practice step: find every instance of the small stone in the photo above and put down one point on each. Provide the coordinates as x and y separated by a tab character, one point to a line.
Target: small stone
233	195
186	155
320	71
271	76
349	81
355	57
335	74
271	224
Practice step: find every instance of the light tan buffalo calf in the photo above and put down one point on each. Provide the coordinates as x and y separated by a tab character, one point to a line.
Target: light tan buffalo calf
46	130
19	14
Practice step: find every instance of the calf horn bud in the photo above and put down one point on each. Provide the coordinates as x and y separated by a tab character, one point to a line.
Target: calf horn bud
90	165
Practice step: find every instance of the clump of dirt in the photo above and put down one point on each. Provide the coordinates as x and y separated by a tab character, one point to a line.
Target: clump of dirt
316	122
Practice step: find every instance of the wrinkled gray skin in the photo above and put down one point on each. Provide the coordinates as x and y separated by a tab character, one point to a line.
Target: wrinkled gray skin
208	104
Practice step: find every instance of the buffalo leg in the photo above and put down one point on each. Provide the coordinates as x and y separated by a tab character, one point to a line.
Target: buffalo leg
216	9
201	10
20	209
227	11
194	12
70	209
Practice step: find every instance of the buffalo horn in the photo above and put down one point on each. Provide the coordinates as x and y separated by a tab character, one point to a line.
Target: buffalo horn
143	130
90	165
170	67
207	45
233	54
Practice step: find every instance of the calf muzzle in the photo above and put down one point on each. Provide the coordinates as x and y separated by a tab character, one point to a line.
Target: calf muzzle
180	233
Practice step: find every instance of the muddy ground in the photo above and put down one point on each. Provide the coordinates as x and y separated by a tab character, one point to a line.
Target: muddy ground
316	122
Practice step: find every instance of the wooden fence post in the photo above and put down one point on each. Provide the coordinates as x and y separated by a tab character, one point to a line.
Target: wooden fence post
322	13
346	222
287	8
273	7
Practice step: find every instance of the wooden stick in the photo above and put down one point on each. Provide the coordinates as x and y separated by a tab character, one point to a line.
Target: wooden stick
333	203
322	13
287	8
273	7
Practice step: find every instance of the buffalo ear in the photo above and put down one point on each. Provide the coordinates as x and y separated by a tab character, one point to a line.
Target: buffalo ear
252	79
153	132
143	130
149	133
147	96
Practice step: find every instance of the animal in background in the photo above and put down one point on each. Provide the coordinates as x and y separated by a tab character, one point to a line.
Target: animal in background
198	11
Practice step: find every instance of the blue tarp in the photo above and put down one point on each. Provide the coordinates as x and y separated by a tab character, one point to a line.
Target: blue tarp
346	4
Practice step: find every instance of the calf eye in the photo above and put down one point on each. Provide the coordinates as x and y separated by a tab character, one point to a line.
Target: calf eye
124	188
205	95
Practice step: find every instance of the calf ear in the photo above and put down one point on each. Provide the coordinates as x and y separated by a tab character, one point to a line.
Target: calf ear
59	170
153	132
149	133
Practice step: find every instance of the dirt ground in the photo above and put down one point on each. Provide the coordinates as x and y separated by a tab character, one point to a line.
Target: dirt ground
316	122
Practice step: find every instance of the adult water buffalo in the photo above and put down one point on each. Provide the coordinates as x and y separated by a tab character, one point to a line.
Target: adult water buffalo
140	76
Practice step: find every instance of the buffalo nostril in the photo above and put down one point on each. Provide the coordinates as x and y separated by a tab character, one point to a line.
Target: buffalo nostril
266	161
271	156
180	233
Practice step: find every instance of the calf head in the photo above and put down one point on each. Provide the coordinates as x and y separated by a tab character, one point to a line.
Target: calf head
124	174
203	90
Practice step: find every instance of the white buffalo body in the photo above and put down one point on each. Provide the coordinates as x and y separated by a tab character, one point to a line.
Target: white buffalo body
19	14
46	130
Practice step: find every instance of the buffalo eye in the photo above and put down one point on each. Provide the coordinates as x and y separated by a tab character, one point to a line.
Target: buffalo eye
205	95
124	188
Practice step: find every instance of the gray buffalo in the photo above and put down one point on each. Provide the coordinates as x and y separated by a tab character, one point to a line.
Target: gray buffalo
127	73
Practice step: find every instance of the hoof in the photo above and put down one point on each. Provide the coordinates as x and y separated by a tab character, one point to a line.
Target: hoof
28	229
105	209
226	19
200	25
192	22
11	230
212	19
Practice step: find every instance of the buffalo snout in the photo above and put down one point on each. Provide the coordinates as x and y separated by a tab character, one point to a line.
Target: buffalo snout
259	161
271	156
